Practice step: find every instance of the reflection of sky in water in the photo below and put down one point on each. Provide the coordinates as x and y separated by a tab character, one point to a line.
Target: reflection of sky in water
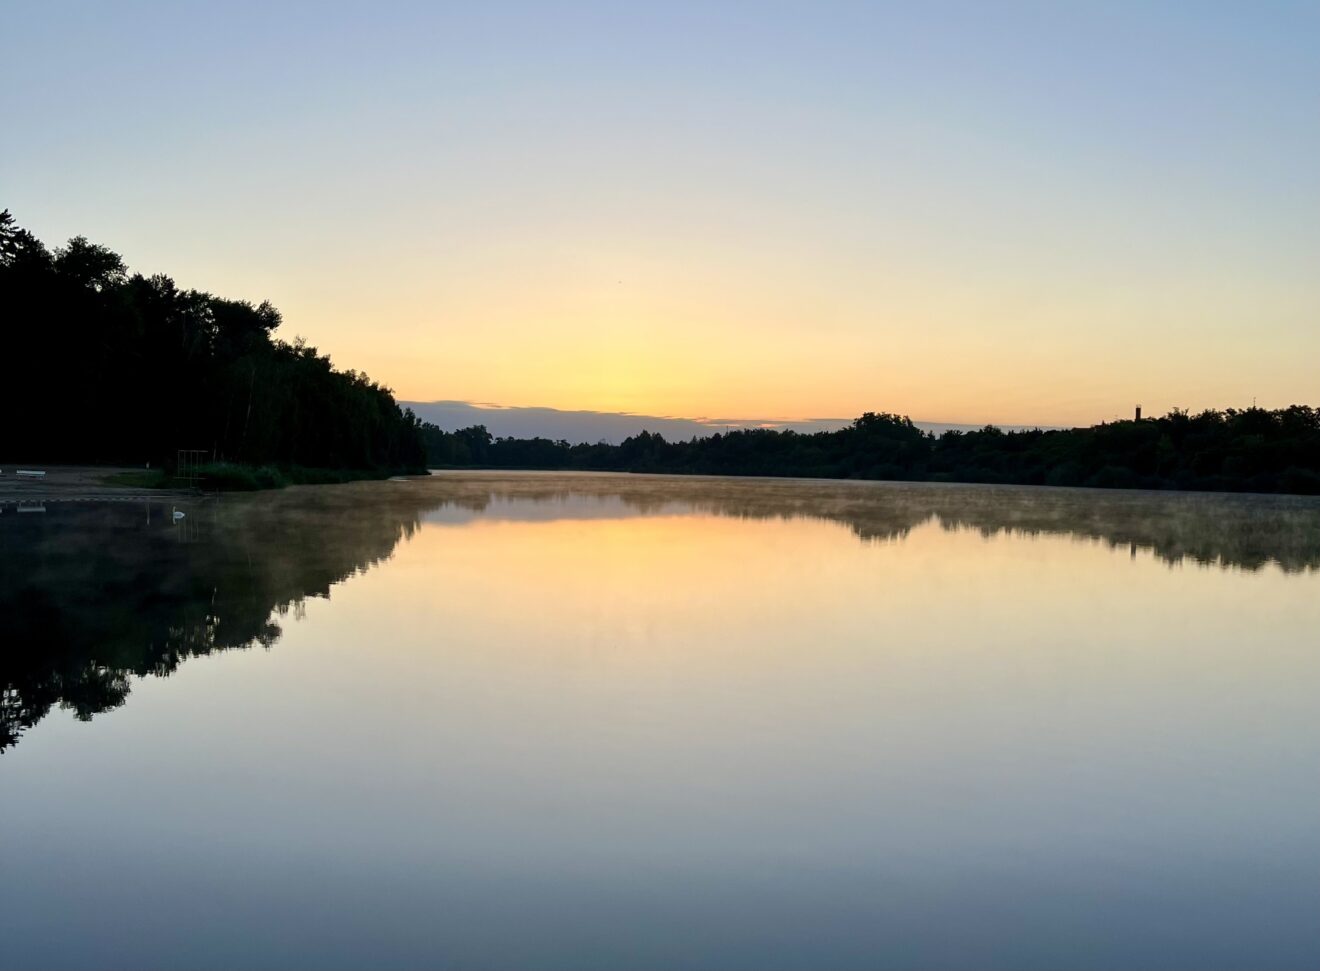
557	733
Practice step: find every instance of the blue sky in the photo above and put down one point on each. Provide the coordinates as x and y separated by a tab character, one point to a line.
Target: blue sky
1022	213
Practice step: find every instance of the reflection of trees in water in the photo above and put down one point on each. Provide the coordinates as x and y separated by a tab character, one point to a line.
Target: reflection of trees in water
93	595
1229	531
1246	532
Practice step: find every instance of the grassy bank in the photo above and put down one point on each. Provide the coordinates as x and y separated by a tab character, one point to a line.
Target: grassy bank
236	477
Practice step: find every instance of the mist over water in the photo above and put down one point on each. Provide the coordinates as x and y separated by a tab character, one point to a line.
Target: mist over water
559	721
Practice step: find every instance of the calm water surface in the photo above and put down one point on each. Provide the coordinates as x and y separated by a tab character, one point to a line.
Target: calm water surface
550	721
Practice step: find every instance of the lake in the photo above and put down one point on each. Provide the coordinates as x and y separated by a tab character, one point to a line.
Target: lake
535	720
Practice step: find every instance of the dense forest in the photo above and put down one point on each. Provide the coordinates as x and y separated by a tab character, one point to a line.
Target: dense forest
1252	450
108	366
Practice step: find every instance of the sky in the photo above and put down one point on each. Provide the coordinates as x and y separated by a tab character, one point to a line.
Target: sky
1020	213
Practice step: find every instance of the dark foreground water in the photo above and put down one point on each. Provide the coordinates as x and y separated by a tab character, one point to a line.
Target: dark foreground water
621	721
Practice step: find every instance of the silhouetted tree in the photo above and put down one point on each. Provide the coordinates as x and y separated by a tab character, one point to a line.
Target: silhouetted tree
108	366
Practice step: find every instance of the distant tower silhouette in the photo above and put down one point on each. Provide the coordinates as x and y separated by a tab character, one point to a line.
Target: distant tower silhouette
1138	412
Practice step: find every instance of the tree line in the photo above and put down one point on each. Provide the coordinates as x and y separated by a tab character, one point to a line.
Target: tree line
108	366
1247	450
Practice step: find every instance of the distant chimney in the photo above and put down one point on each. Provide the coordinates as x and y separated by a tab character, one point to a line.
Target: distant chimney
1138	412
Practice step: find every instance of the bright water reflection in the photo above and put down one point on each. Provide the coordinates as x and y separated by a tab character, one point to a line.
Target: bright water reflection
580	721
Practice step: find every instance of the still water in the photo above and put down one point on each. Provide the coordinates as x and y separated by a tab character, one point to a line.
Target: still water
582	721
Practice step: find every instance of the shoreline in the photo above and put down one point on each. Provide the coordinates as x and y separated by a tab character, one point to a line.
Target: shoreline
77	483
89	483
